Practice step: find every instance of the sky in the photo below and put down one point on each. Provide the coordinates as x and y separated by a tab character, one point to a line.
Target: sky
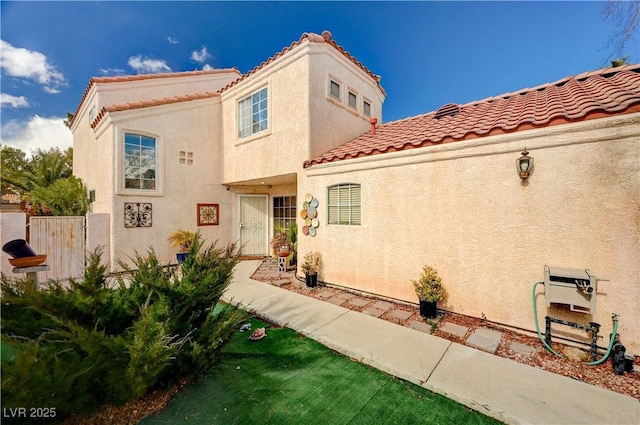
427	53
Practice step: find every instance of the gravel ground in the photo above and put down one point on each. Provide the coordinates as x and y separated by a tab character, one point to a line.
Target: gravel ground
601	375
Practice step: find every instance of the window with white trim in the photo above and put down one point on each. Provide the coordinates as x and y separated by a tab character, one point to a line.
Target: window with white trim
253	114
344	204
353	100
334	89
139	162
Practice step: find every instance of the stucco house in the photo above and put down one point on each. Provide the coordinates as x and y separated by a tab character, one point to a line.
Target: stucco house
233	154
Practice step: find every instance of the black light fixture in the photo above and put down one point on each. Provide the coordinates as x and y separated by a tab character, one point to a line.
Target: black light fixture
524	165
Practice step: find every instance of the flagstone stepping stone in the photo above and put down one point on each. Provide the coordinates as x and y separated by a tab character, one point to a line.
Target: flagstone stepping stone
420	326
335	300
358	302
453	329
524	349
400	314
383	305
346	296
325	293
485	339
281	282
375	312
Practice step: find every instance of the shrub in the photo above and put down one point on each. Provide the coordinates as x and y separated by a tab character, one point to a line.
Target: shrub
94	343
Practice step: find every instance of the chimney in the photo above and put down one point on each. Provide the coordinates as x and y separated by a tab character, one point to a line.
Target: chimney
373	122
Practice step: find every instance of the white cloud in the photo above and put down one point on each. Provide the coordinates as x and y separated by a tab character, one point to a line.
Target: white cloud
29	64
145	65
172	40
207	67
13	101
112	71
200	55
37	133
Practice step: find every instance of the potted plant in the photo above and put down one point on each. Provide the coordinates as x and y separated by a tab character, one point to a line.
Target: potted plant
429	290
281	244
310	267
182	239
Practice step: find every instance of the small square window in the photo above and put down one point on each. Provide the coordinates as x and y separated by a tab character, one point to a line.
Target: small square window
334	90
366	108
353	100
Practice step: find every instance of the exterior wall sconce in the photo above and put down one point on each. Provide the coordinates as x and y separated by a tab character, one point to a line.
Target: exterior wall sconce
524	165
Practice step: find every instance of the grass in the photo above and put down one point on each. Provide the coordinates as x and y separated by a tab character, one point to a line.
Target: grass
288	379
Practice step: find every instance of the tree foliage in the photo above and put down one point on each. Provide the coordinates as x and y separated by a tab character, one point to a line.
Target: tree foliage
64	197
625	16
99	341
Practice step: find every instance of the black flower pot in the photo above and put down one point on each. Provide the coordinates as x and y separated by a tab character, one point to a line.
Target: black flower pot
181	257
311	280
428	309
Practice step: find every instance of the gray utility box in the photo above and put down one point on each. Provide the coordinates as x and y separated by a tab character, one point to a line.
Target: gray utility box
573	287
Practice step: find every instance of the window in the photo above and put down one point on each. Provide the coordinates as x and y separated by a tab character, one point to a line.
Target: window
284	210
186	157
366	108
252	114
344	204
353	100
334	90
139	162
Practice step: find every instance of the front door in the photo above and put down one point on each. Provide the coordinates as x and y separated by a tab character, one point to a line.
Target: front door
254	230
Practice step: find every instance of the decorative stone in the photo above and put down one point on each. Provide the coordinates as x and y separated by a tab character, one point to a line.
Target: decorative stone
358	302
383	305
485	339
400	314
420	326
375	312
453	329
575	354
523	349
335	300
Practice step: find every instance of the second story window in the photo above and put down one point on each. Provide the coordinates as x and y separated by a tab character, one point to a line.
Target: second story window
334	89
366	108
253	114
139	162
353	100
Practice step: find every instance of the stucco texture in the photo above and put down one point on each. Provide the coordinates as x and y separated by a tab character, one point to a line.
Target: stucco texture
462	208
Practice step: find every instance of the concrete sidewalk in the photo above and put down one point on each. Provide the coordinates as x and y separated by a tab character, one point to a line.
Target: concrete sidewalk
503	389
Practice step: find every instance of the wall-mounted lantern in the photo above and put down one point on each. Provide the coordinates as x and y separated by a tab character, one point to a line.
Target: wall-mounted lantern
524	165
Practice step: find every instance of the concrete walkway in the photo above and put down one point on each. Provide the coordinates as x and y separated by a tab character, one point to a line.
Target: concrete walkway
511	392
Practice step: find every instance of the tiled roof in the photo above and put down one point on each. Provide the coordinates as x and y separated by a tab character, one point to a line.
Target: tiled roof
595	94
125	78
311	38
148	103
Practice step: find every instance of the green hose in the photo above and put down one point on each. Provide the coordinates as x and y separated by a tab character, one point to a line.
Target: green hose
544	342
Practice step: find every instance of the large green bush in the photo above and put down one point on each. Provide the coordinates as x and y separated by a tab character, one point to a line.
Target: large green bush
100	341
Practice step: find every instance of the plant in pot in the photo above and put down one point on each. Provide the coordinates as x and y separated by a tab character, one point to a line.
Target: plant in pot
310	267
281	244
429	290
182	239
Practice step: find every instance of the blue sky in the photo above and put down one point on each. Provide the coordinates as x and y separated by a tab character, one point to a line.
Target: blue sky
427	53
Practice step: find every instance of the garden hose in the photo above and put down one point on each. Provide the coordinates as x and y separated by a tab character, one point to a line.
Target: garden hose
544	342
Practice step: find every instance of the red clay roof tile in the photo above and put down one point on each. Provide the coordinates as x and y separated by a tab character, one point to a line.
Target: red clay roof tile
305	38
125	78
591	95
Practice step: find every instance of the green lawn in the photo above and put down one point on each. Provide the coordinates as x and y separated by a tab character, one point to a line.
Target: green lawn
288	379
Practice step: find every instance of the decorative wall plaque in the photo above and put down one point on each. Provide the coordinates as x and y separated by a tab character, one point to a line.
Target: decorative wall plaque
137	214
208	214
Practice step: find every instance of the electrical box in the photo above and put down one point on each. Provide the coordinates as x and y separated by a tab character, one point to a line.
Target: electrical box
573	287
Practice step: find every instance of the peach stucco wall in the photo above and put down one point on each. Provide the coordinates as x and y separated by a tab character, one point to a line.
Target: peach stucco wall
192	127
461	208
